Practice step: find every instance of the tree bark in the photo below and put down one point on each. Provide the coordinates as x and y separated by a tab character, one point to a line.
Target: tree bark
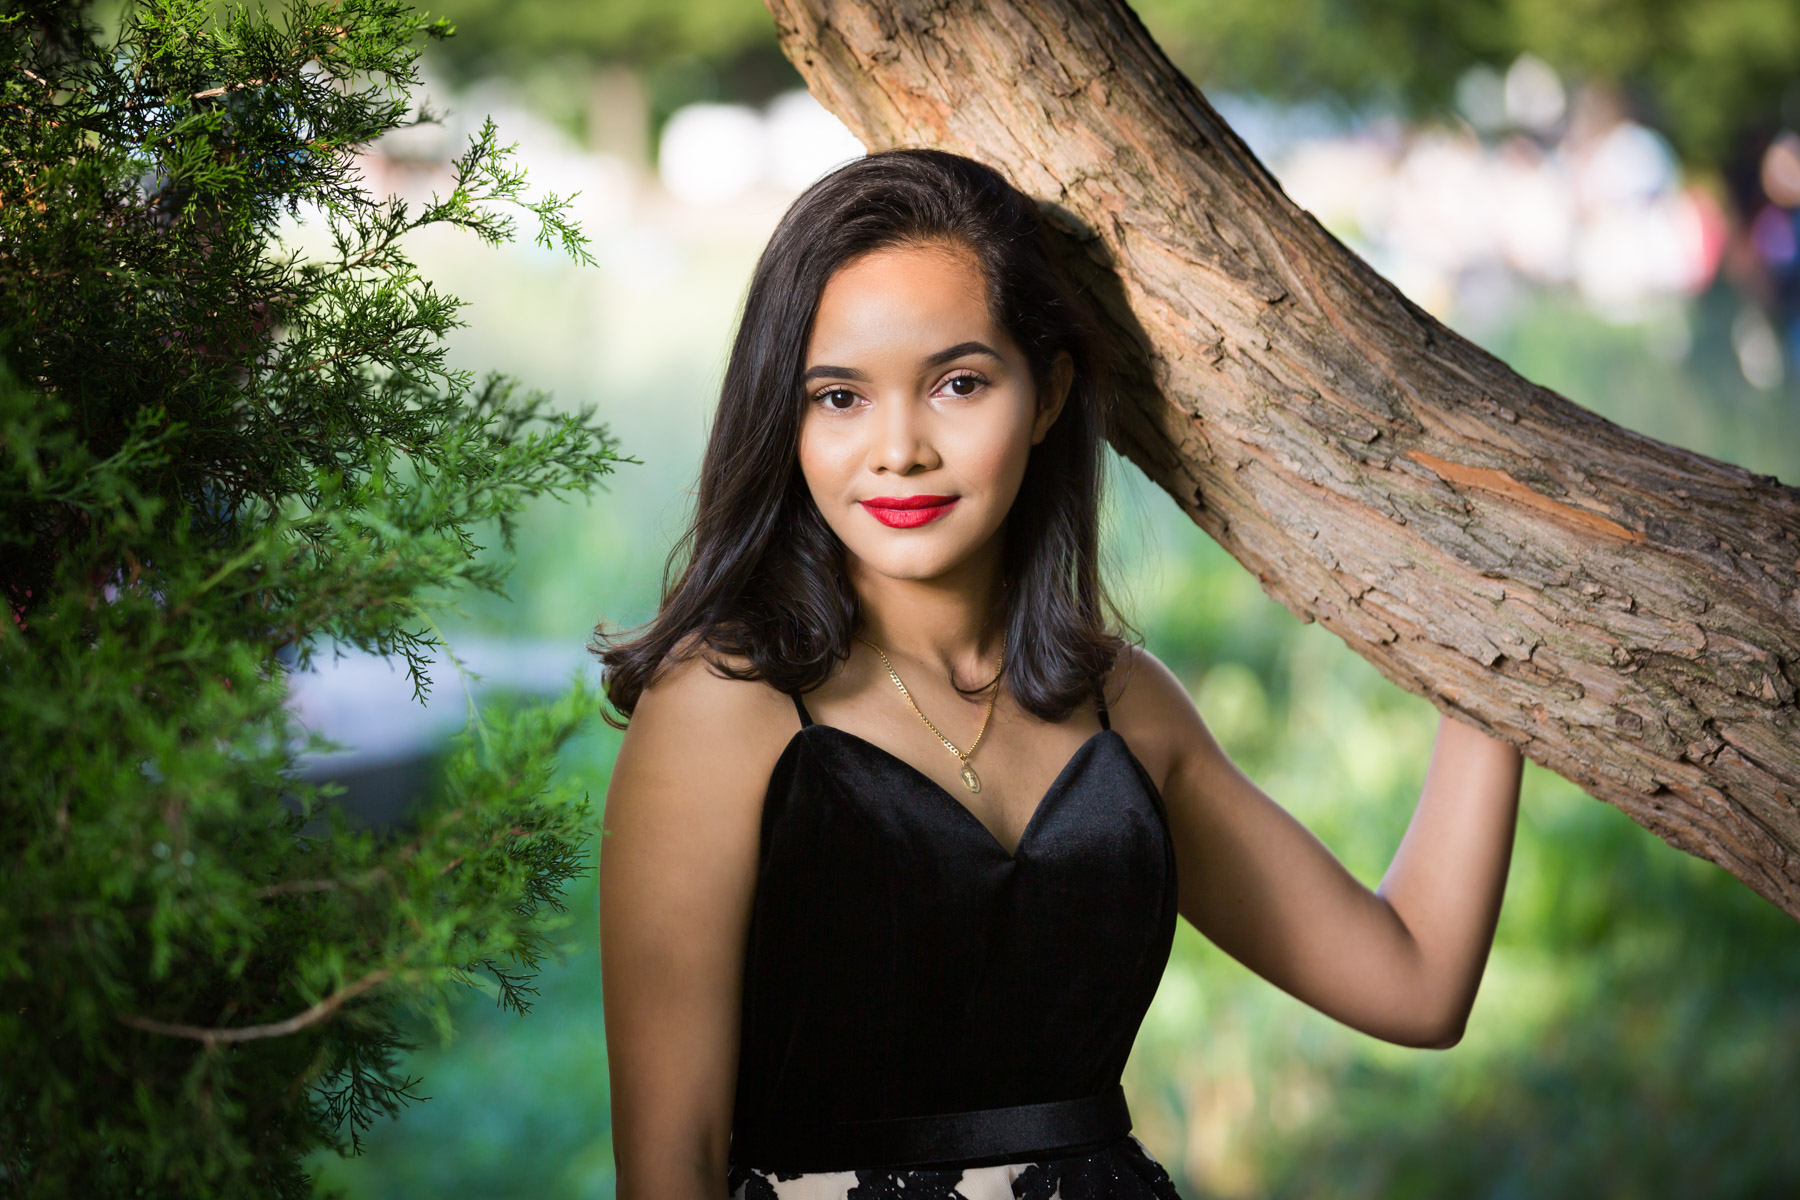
1622	610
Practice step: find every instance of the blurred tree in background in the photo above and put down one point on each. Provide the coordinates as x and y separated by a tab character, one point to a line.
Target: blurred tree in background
652	56
1719	77
1709	73
520	33
220	454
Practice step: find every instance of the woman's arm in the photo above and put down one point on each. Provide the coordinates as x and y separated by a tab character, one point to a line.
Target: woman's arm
1401	962
677	874
1445	882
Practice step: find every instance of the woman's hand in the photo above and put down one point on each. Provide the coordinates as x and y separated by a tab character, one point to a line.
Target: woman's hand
1402	962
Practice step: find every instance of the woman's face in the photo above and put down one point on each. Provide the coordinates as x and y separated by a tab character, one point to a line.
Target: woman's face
921	411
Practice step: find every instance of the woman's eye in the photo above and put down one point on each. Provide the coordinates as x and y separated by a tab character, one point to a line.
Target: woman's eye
964	385
837	399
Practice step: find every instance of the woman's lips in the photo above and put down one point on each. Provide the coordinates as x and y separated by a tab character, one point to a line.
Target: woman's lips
907	512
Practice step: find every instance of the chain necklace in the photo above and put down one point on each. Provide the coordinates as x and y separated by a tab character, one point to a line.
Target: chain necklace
970	779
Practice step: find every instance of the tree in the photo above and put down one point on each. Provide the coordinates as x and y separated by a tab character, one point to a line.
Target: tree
219	454
1622	610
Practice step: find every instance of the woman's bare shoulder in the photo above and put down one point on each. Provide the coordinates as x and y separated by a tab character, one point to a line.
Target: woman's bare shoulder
1151	708
695	721
700	680
1141	685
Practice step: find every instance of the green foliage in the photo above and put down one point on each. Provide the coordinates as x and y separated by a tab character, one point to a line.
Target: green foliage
685	47
216	454
517	1109
1707	72
623	30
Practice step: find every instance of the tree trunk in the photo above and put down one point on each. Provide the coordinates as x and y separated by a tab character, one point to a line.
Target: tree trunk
1622	610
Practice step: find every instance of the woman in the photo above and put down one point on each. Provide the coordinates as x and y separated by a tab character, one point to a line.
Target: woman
900	826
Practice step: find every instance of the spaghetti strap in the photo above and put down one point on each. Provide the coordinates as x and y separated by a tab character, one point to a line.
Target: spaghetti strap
1100	706
800	707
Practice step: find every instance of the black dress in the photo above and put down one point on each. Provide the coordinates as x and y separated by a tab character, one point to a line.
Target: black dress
927	1016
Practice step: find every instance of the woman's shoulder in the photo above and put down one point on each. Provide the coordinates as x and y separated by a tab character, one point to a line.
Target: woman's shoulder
694	767
1151	708
1140	682
699	700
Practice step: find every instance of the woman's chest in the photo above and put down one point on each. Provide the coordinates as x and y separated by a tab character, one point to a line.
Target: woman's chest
1002	783
885	907
845	815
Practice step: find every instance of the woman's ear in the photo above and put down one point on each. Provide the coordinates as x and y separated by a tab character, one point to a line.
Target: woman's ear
1053	394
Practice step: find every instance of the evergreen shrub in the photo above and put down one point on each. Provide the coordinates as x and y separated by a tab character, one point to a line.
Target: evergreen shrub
220	455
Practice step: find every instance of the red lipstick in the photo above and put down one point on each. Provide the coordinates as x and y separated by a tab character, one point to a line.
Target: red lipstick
908	512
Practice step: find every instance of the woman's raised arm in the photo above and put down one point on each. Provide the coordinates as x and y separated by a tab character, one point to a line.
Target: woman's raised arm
1401	962
677	875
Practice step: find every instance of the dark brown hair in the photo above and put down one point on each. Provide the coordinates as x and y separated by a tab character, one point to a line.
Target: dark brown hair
759	574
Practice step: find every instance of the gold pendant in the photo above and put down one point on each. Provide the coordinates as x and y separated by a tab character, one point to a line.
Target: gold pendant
971	780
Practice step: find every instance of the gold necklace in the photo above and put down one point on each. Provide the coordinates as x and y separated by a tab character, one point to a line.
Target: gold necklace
970	779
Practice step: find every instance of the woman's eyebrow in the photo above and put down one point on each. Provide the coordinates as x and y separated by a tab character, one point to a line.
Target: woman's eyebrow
827	372
960	349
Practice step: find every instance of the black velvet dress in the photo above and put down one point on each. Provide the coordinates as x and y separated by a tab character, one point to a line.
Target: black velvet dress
926	1016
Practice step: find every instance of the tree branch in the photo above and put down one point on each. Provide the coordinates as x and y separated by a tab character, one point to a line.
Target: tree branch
249	1033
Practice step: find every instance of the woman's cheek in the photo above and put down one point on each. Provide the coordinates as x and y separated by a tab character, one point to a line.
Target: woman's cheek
824	464
998	460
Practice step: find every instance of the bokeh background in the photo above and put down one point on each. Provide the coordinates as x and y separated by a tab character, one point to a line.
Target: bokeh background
1602	192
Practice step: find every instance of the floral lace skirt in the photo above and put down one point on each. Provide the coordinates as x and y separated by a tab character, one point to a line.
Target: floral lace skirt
1121	1171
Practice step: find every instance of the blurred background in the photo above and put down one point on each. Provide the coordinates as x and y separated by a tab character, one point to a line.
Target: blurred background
1606	193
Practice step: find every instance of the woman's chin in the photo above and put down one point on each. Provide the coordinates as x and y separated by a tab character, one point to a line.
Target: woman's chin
916	564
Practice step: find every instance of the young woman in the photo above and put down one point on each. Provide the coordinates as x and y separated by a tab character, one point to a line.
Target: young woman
901	826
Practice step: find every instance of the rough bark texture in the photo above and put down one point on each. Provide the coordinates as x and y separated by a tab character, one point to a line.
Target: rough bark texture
1626	612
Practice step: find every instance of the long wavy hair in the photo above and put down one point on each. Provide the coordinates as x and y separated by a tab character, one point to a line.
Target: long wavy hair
760	576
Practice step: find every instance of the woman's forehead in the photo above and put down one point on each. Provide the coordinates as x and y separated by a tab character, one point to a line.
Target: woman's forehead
901	303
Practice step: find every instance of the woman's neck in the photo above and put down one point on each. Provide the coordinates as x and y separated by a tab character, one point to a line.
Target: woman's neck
949	624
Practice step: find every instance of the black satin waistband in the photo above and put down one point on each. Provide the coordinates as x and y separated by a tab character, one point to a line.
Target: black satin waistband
964	1139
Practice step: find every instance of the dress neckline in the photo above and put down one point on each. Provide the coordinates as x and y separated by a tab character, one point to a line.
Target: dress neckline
1076	760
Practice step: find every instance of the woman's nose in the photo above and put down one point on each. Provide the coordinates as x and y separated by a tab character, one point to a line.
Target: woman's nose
903	442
